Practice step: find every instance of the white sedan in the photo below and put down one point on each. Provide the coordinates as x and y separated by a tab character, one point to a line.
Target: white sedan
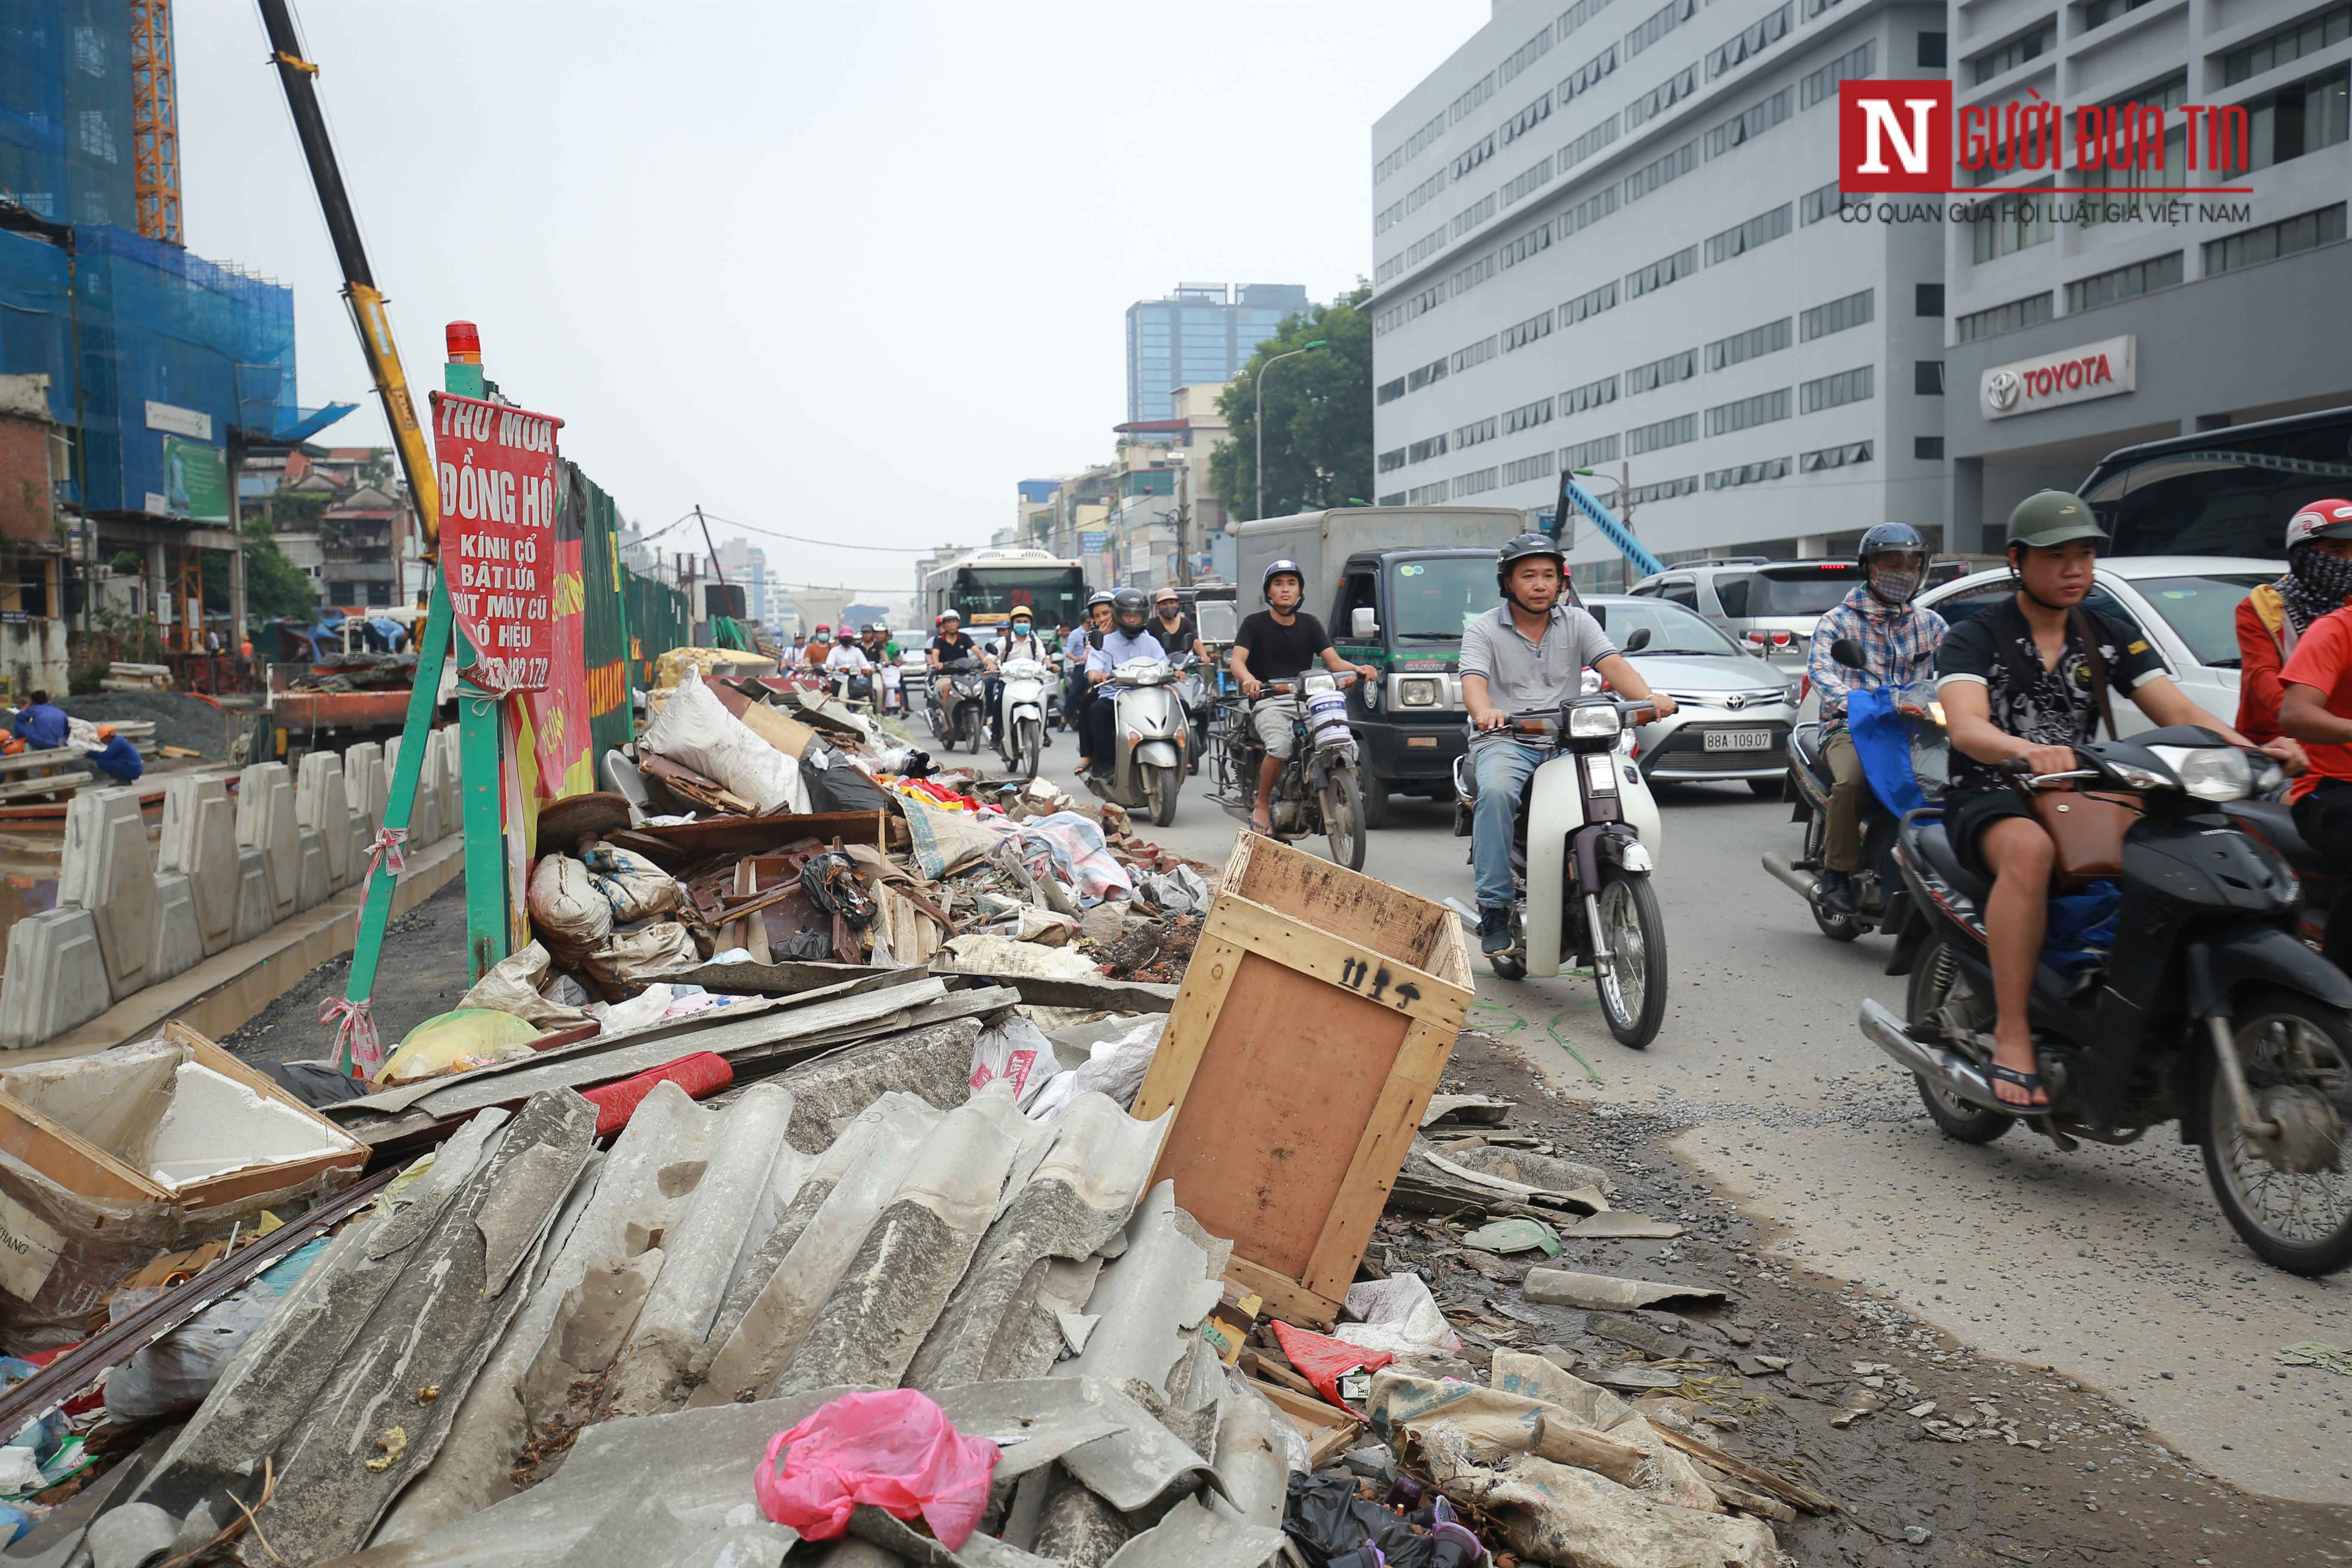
2186	605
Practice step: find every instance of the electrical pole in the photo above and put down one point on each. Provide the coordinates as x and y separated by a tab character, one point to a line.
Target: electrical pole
1184	524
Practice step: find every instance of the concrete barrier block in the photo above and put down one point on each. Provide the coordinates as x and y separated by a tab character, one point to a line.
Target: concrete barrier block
200	840
313	889
57	978
423	817
264	821
321	805
363	840
453	795
106	868
363	781
177	942
256	906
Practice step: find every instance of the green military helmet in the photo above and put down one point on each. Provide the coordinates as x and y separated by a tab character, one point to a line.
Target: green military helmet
2047	519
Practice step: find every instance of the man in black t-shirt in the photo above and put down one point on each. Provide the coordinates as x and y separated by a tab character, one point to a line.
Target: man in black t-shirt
1174	625
1278	643
950	644
2019	681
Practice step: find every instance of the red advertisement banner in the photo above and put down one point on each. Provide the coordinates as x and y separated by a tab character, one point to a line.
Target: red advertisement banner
500	484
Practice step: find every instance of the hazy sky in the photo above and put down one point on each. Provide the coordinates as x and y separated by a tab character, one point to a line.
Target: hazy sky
845	270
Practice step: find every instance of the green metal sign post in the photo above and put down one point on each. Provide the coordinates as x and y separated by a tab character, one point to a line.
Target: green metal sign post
481	763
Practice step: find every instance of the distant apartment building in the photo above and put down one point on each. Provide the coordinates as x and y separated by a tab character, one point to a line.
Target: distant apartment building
1200	334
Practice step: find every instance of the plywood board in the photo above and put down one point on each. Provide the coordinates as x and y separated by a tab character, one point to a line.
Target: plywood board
1347	904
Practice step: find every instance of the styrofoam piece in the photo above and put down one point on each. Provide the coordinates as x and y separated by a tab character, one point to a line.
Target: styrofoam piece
321	805
312	886
57	978
177	944
364	781
215	1123
264	821
200	839
106	868
255	906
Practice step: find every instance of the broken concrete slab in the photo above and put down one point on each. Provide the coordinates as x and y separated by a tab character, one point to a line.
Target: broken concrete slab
1191	1535
105	868
56	978
264	821
200	841
1541	1172
1466	1110
1603	1292
1619	1226
1163	1285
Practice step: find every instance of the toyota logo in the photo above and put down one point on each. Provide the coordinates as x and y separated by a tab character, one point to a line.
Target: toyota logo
1736	702
2002	388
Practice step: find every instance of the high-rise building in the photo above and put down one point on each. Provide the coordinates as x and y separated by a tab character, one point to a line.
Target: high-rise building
1203	332
1606	236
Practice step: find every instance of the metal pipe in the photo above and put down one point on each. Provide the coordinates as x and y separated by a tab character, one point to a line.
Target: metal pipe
1777	863
2233	1082
1258	419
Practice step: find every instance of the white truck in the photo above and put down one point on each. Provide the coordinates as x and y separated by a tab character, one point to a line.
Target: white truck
1393	586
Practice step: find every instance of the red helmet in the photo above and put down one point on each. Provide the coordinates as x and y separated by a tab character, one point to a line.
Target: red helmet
2320	520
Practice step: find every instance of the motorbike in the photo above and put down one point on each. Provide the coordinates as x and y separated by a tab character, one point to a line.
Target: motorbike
1878	897
1193	695
1319	790
958	705
1021	714
1147	740
1582	852
2273	822
2207	1009
858	689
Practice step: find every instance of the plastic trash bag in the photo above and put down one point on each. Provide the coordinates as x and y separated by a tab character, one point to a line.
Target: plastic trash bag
629	963
456	1041
1017	1054
636	888
1400	1316
892	1448
830	882
178	1370
513	985
695	727
836	784
1325	1518
1114	1068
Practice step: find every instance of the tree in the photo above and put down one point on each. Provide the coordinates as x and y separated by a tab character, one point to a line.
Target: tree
273	585
1318	416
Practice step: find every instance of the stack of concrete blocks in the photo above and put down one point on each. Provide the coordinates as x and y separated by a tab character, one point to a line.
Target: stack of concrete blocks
200	844
264	821
322	807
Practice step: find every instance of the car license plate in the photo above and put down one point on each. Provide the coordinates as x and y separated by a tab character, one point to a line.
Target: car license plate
1738	740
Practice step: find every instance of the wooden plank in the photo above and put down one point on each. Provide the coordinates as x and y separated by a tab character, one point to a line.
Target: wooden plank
1342	965
1286	1299
68	1158
1190	1021
1388	1134
1311	1409
1347	904
1765	1480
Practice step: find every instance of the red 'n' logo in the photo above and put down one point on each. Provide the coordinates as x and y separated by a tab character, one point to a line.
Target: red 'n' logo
1895	136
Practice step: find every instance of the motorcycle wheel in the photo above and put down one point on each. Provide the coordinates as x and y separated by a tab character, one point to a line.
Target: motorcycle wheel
2298	1063
1933	977
1343	819
1032	742
1633	991
1159	786
1376	800
1837	928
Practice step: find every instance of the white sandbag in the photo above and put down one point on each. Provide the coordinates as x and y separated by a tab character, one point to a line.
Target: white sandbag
567	912
695	729
628	963
513	985
1018	1054
1113	1067
636	888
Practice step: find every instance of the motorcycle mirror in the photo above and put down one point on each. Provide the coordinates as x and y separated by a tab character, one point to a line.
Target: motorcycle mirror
1638	640
1847	652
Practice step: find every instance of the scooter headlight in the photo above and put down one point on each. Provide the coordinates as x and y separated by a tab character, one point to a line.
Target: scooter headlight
2209	772
1592	722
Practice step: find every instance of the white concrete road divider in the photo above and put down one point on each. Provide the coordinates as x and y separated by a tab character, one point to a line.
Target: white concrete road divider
200	842
264	821
178	943
365	779
256	906
106	868
321	805
315	886
58	977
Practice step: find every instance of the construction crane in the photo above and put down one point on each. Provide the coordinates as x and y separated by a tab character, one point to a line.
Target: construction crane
154	123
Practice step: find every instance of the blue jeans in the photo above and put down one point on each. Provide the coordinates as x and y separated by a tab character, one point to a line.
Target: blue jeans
1502	769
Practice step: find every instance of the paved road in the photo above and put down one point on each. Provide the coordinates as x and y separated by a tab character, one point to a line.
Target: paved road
2114	1266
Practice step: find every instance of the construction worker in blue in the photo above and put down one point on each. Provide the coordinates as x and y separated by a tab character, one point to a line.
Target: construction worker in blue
40	724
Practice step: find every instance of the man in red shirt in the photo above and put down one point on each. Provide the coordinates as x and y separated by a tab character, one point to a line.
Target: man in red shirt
2274	617
2316	709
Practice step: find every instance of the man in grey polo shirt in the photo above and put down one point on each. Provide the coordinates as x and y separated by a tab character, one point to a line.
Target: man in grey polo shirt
1527	654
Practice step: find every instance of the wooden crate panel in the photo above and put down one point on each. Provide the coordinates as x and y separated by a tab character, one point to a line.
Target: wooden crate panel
1346	904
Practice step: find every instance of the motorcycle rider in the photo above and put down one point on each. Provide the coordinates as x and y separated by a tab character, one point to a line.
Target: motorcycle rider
2274	617
1280	641
1528	653
2315	706
820	649
848	659
1175	628
1094	623
2026	680
1017	639
1898	647
1127	639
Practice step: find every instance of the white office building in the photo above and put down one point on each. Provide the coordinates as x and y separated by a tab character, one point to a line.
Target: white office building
1608	236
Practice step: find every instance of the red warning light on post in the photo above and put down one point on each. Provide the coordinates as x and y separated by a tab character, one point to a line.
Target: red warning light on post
1894	137
464	344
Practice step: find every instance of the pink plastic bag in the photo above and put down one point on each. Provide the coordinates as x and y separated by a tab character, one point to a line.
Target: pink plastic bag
893	1449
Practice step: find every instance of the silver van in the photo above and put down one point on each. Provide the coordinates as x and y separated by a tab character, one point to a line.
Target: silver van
1768	606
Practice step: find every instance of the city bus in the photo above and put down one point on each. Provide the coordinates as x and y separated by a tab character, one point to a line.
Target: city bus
2222	492
985	586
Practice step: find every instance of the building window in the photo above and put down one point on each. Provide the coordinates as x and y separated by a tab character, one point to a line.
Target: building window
1665	96
2012	224
1667	270
1588	454
1525	120
1840	456
1526	55
1394	497
1473	215
1826	201
2124	282
1578	15
1476	432
2287	237
1390	462
1526	468
1479	352
1928	448
1422	193
1664	489
1533	179
1835	391
1753	122
1931	49
2286	45
1414	146
1589	211
1427	246
1423	375
1470	277
2099	13
1749	473
1589	304
1741	238
1422	451
1753	344
1837	316
1661	171
1389	391
1816	8
1928	378
1591	395
1823	83
1478	93
1751	41
2026	312
1534	326
2008	56
1477	153
1534	241
1387	218
1658	24
1661	373
1764	408
2303	117
1592	142
1928	299
1665	433
1527	416
1474	484
1588	76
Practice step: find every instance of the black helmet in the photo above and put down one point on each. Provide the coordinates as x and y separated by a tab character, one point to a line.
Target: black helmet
1893	539
1275	569
1130	601
1526	547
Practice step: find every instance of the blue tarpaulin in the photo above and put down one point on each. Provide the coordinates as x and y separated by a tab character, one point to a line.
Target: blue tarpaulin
1881	738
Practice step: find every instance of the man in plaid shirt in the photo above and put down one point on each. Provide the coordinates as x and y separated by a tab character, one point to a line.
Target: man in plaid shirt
1898	647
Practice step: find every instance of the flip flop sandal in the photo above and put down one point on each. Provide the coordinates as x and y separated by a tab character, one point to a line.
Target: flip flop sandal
2027	1082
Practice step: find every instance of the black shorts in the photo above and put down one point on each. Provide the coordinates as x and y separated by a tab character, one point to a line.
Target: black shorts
1968	813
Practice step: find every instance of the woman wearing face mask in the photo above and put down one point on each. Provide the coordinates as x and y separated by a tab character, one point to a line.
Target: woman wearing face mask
2274	617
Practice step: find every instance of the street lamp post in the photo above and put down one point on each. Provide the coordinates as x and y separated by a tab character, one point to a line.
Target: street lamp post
1260	416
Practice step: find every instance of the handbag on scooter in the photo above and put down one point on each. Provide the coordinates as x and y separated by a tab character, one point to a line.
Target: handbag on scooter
2086	828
